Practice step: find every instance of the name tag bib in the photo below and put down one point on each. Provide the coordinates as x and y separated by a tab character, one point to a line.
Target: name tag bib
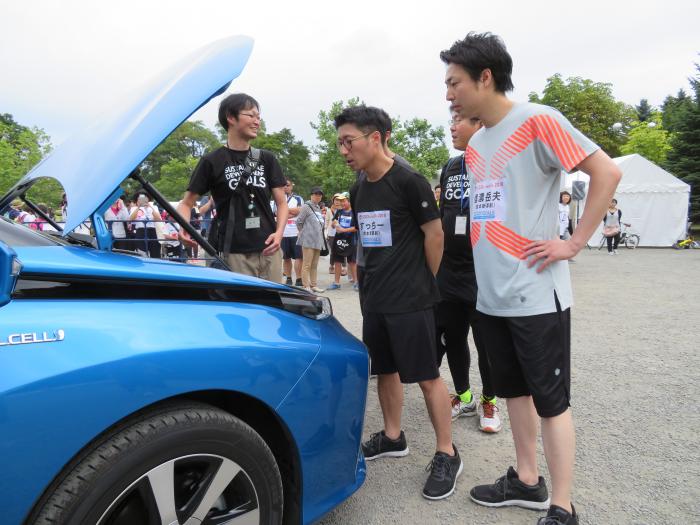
375	228
488	201
460	225
252	222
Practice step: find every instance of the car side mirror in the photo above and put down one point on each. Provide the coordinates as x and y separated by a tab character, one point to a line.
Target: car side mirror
9	271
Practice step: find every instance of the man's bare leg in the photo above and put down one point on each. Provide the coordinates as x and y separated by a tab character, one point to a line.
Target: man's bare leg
390	392
297	269
523	423
437	400
559	440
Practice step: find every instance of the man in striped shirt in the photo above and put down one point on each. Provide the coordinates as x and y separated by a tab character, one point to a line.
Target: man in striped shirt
524	290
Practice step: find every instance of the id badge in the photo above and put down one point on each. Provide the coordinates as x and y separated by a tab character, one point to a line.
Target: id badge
252	222
460	225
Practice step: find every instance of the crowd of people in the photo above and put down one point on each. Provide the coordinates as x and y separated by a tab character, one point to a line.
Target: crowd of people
485	250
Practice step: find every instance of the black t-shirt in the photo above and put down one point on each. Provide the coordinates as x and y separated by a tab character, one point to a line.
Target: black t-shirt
456	277
222	173
346	219
388	215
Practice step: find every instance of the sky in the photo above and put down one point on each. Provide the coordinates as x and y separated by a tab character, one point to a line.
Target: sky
65	62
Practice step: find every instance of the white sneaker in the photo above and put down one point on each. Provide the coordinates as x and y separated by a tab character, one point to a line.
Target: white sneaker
489	420
615	252
460	408
317	289
611	253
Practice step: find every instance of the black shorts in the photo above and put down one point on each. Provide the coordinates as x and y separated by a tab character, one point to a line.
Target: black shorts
531	356
290	249
345	254
403	343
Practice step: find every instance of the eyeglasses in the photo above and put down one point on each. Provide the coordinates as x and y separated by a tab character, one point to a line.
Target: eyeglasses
347	142
254	116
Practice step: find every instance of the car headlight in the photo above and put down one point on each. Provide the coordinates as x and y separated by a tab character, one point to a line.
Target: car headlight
308	305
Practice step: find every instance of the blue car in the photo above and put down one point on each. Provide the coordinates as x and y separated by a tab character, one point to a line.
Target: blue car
140	391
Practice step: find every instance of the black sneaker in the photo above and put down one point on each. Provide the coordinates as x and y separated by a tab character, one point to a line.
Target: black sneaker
299	283
380	446
444	471
558	516
509	490
289	281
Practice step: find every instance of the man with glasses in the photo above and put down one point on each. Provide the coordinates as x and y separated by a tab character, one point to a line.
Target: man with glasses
401	233
242	181
385	129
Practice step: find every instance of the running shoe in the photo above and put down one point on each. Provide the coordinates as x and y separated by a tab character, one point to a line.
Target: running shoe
380	446
317	289
288	282
509	490
460	408
334	286
558	516
444	471
489	420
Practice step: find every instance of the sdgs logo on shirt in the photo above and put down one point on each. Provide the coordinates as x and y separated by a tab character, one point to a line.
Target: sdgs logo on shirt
233	175
455	185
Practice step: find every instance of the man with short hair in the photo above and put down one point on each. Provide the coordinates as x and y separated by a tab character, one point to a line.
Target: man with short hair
386	126
400	231
290	250
242	181
515	164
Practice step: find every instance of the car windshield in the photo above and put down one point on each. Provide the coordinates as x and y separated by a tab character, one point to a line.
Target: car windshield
17	236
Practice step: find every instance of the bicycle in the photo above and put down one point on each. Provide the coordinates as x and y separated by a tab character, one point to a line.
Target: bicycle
630	240
688	243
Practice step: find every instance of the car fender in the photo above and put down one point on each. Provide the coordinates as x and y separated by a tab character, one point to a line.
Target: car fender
89	364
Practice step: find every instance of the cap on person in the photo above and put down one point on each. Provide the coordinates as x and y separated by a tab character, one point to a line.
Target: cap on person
339	196
316	190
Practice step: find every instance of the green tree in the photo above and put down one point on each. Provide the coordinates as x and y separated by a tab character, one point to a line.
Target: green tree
21	148
292	154
175	175
644	110
189	139
420	144
684	158
591	107
673	109
649	139
330	170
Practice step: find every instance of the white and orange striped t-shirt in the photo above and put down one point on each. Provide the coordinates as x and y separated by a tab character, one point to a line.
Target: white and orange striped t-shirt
514	169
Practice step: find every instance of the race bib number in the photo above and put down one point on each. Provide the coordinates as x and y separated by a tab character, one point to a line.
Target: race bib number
488	201
375	228
252	222
460	225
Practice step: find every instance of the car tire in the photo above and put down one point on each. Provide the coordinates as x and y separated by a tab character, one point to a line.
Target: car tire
178	464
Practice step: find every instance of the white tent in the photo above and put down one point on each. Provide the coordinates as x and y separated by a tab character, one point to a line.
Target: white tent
650	198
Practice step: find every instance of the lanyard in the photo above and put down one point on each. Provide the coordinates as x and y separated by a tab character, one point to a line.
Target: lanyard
464	183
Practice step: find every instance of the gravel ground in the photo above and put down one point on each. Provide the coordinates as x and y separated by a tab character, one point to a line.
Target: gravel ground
635	394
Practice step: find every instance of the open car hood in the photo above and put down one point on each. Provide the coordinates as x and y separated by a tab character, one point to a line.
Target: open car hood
92	163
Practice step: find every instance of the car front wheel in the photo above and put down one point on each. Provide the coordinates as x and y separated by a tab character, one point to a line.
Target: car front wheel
186	464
